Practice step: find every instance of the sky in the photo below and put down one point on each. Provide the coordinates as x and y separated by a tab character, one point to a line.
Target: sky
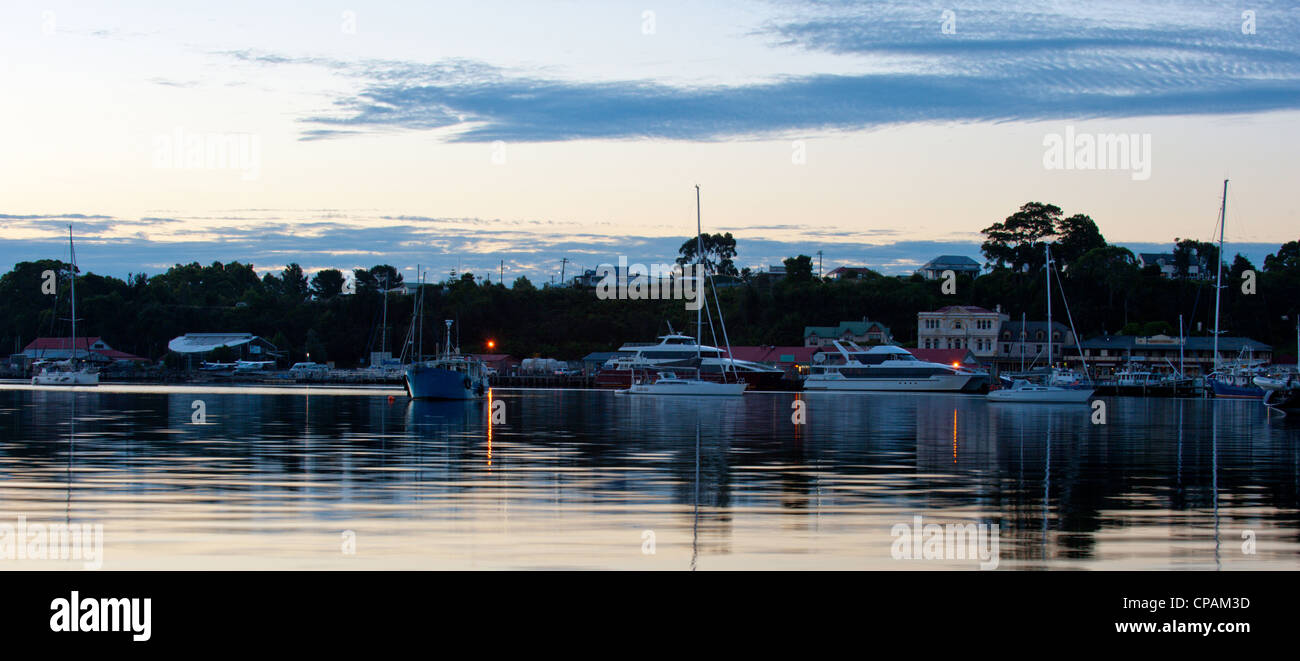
509	136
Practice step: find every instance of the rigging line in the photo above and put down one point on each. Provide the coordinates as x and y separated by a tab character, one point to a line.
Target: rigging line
731	360
1077	341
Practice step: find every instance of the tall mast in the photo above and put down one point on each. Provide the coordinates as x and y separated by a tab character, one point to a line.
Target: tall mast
699	270
1022	341
1218	276
1047	250
72	254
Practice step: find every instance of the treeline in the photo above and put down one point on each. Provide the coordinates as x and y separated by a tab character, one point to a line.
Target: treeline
337	318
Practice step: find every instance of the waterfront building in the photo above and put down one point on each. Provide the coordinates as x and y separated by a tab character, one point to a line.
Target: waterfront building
94	349
500	363
196	347
789	359
1160	353
1027	343
862	332
961	327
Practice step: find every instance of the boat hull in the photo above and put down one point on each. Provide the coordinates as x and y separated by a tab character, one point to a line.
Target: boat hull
1231	391
1061	396
65	379
1287	400
424	382
939	383
690	388
621	378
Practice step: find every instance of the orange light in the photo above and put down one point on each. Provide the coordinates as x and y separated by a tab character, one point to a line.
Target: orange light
956	364
492	344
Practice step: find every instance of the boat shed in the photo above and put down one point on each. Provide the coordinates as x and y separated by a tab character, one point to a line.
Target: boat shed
246	346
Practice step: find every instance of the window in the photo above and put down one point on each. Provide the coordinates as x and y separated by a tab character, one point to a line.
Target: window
1006	348
956	324
1039	336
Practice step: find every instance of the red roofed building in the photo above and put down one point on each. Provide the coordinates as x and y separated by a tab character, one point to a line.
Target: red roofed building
88	348
501	362
786	358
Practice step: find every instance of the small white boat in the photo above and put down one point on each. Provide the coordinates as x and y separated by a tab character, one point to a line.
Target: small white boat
1270	383
1024	391
70	372
66	373
669	383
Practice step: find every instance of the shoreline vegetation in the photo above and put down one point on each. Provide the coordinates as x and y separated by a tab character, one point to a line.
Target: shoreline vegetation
1103	283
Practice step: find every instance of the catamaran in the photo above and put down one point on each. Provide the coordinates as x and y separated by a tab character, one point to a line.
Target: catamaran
667	382
70	372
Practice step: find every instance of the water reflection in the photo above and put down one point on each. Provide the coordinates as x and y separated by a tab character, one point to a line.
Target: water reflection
572	479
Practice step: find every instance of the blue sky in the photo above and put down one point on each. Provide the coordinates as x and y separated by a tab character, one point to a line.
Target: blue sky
458	136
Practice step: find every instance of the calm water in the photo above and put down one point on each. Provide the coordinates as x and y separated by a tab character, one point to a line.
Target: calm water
582	479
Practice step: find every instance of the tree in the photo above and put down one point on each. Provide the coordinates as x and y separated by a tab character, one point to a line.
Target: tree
1287	258
719	252
295	283
1239	266
798	269
1077	234
384	275
327	284
523	284
1018	241
1189	252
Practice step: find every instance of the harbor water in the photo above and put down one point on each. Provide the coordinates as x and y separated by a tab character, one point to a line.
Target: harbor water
312	478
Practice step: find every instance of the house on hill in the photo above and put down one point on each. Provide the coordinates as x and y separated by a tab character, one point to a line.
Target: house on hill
959	264
861	332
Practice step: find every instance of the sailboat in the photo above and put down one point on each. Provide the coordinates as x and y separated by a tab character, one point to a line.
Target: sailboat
1024	391
69	372
1236	380
668	383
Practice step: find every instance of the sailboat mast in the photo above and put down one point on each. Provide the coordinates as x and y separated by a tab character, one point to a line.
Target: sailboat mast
1022	341
699	270
1047	269
1218	276
72	254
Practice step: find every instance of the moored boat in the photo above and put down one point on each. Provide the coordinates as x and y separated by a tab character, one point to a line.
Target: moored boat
677	353
1024	391
70	372
668	383
884	368
451	375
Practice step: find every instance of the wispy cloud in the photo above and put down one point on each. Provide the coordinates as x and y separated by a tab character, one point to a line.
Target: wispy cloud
1022	61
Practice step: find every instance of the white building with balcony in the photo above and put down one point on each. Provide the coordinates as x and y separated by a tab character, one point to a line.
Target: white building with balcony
961	327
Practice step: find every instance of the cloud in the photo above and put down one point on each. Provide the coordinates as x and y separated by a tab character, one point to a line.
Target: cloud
116	246
1014	62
